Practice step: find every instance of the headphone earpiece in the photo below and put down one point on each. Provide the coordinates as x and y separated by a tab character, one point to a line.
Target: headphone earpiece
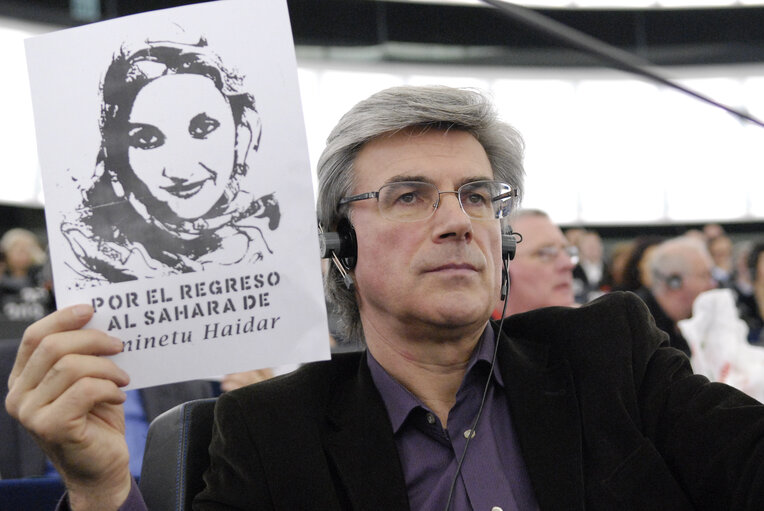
348	252
509	242
341	247
508	246
674	281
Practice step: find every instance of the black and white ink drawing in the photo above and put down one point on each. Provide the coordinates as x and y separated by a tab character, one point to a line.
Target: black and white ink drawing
167	196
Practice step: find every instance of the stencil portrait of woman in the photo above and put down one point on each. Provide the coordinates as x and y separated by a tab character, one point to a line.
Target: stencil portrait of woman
176	129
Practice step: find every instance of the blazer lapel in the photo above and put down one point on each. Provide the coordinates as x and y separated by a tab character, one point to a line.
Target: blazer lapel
543	403
359	441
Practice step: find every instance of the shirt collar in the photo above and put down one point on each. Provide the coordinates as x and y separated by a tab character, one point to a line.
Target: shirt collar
399	401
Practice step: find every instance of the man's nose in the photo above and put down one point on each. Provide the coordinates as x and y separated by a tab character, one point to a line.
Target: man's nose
451	218
565	260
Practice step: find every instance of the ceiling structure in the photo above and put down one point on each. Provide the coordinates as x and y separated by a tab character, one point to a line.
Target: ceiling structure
398	31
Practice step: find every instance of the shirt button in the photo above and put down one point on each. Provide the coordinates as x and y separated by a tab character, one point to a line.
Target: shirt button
430	418
496	508
471	434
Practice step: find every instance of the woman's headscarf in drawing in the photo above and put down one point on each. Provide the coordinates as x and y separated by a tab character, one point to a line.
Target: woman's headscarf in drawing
129	72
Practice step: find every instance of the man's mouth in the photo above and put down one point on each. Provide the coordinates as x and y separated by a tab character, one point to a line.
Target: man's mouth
453	267
184	190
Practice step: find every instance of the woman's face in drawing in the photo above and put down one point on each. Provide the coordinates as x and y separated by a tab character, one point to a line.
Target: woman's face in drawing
181	137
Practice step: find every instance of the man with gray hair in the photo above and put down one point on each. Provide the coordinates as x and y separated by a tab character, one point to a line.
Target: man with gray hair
680	269
557	408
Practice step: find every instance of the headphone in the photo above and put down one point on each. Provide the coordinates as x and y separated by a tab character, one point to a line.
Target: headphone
673	281
341	246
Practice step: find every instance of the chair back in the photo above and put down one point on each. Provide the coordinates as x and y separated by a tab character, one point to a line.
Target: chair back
176	456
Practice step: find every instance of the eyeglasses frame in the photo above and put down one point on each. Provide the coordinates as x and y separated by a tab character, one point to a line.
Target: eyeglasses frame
511	194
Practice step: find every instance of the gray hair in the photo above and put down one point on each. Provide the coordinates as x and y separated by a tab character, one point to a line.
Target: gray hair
391	111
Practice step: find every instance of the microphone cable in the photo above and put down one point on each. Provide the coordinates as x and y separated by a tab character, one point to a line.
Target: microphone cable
479	413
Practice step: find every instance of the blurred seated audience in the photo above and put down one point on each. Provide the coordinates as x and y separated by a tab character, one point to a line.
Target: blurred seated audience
751	305
591	276
680	269
25	291
541	274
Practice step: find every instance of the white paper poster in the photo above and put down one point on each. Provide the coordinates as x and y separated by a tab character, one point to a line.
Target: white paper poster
178	191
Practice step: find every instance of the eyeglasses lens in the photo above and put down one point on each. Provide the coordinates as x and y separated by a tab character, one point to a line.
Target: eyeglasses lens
409	201
486	199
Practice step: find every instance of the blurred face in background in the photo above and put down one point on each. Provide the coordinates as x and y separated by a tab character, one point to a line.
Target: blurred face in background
590	246
693	266
19	254
541	274
721	252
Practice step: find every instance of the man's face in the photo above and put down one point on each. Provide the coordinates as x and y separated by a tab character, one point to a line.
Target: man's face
442	272
537	280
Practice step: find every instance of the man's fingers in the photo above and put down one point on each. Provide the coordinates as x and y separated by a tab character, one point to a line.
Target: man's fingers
67	371
65	420
69	318
57	345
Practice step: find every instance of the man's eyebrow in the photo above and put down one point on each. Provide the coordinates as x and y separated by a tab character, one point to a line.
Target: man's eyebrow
472	179
408	177
426	179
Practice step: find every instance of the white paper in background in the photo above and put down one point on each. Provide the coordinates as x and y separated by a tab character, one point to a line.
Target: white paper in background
179	198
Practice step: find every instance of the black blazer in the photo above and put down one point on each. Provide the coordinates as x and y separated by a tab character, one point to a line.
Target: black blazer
607	417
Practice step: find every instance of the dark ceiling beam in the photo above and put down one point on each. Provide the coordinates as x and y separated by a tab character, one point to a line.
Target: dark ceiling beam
663	37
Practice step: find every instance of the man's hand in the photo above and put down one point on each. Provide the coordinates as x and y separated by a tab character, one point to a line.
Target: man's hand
67	394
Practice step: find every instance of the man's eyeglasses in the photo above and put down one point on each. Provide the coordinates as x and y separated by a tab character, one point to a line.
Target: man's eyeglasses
550	253
411	201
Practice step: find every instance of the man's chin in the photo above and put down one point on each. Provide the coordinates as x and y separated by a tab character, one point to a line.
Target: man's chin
459	314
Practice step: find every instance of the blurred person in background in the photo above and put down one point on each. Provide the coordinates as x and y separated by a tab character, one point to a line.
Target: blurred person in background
680	269
591	276
619	256
751	305
720	249
635	272
574	235
25	293
742	279
541	274
714	230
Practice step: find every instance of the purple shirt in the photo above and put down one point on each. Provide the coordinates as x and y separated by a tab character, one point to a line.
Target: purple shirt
493	475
